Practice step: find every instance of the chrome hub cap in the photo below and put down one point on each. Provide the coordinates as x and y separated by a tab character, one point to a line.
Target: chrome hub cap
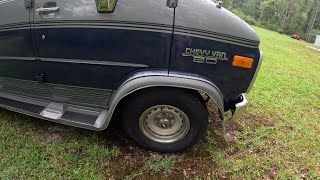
164	124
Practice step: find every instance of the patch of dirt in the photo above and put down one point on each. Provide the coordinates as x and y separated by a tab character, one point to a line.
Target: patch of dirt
205	168
226	132
254	121
230	133
132	165
50	132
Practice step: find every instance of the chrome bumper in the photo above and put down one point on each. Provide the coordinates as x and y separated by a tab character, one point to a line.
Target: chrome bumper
241	107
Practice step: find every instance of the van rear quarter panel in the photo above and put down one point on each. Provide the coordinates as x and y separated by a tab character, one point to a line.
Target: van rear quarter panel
202	25
231	81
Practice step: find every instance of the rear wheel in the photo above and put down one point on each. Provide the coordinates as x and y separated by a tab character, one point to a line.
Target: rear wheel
165	119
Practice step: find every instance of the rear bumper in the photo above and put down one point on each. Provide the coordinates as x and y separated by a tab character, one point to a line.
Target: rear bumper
240	107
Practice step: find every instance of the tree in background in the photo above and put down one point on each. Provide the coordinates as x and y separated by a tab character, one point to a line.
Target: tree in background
285	16
312	20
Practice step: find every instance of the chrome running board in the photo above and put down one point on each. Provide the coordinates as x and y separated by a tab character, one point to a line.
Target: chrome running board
72	115
53	111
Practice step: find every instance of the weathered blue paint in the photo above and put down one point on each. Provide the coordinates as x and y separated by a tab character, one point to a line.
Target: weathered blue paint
232	81
17	43
124	46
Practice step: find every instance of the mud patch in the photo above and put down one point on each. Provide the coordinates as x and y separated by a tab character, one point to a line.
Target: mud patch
254	121
227	132
231	131
50	132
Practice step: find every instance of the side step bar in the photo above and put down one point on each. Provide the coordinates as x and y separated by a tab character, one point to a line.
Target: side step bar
53	111
71	115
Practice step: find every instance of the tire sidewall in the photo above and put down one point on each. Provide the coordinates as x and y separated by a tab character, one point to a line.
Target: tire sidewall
191	105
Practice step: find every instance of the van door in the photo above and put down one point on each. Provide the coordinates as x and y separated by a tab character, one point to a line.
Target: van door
18	67
85	53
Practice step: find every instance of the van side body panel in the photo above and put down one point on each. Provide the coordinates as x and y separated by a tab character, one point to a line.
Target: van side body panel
232	81
83	50
206	39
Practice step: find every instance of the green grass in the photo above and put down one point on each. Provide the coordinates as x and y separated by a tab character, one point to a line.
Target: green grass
278	138
288	92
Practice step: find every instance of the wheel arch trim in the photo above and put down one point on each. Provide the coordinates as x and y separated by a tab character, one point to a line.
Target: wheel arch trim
143	80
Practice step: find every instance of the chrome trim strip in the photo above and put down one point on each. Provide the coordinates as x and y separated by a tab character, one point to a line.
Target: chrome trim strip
76	61
62	87
256	73
217	36
17	58
212	33
104	22
58	86
14	29
104	27
93	24
93	62
6	1
161	30
15	24
216	39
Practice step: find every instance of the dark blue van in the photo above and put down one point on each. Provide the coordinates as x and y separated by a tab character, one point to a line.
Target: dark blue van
78	62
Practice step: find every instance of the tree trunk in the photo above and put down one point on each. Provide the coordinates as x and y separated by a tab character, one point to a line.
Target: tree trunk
313	20
285	15
262	14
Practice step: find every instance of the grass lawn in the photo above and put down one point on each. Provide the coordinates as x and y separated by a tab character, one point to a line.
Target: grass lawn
279	137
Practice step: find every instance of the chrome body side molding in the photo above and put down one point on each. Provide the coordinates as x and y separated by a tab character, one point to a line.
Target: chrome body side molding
75	61
149	79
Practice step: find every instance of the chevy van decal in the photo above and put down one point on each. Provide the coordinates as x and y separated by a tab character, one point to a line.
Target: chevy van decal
205	56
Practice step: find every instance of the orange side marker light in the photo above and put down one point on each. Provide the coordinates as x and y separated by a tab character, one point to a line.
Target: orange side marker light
244	62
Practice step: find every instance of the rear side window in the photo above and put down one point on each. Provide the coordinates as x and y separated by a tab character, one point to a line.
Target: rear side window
106	6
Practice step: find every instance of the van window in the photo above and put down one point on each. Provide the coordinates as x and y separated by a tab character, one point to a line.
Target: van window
106	6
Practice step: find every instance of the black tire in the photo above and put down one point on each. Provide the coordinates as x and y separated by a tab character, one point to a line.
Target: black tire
191	103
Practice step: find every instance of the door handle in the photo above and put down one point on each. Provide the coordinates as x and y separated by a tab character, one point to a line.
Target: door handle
41	78
43	10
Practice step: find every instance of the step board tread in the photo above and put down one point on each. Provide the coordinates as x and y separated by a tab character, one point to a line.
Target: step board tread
32	108
81	118
53	111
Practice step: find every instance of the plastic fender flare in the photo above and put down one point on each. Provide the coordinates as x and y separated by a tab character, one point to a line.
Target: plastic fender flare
160	79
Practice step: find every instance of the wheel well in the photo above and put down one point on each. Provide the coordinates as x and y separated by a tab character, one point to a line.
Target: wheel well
141	91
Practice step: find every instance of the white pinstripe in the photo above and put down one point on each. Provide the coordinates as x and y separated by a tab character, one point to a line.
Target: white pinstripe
5	1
